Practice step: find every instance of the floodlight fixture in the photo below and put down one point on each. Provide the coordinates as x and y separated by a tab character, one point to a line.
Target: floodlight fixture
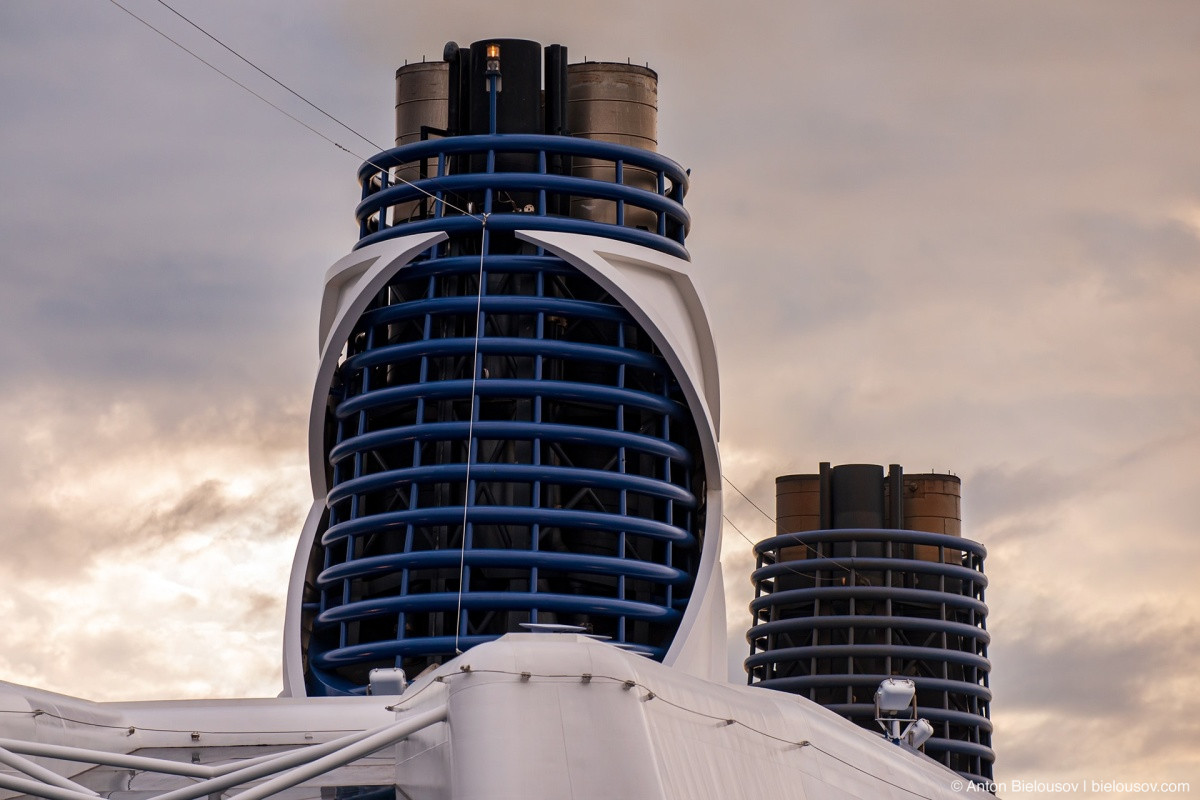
894	695
917	733
386	680
893	698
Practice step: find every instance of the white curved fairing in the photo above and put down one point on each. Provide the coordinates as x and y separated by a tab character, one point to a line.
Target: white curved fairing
660	294
349	286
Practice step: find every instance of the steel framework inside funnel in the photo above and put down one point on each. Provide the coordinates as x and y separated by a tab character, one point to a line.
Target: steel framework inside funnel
583	503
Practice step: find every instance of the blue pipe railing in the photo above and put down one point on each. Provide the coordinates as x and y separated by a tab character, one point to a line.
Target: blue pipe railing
440	201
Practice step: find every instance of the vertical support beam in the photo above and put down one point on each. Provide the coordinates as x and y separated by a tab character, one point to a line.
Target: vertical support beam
896	498
826	498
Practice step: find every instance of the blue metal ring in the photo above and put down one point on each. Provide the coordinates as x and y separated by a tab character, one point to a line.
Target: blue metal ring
491	304
856	563
506	345
543	601
870	535
441	645
570	476
930	596
525	143
928	654
801	624
802	683
516	431
530	222
511	388
521	181
541	559
508	515
928	712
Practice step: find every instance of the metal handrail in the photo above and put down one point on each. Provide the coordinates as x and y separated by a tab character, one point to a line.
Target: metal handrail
381	190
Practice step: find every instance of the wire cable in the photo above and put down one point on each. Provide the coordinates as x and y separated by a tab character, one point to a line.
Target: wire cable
229	77
292	117
462	558
793	570
269	76
751	502
858	576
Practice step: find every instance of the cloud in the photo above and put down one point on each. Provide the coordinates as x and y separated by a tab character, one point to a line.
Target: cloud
1069	669
176	620
137	536
1006	502
82	484
1082	692
1135	256
944	235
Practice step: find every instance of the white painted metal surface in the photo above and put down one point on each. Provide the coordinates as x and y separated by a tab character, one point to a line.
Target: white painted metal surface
527	717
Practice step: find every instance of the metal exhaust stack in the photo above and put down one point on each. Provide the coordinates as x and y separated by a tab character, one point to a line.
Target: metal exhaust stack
503	433
870	578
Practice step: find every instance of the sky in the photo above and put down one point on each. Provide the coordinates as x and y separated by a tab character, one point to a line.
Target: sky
955	236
